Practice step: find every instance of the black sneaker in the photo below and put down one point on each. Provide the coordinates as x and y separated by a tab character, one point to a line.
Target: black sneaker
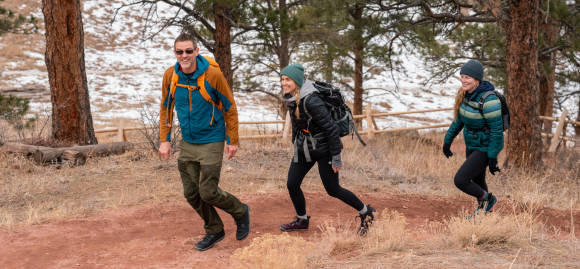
366	220
209	240
243	229
297	225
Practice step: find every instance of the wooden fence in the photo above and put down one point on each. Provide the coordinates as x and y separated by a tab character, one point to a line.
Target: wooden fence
372	127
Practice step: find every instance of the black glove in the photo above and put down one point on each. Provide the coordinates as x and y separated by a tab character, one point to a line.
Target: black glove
447	150
493	166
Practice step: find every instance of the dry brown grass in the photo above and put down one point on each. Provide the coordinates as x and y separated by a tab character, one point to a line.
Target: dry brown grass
272	251
32	194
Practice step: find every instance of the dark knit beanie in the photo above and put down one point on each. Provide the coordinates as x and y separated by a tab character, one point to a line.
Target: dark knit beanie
473	68
295	72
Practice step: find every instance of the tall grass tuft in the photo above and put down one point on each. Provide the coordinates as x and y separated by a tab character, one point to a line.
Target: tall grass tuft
274	252
489	230
387	233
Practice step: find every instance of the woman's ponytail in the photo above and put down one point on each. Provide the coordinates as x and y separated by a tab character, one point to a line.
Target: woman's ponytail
458	100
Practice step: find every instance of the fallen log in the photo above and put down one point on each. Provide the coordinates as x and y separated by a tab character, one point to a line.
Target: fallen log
77	155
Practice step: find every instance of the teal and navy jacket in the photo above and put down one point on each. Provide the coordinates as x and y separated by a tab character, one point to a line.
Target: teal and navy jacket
477	137
200	121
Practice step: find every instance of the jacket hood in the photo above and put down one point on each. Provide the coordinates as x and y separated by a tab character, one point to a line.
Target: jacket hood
202	66
484	86
307	88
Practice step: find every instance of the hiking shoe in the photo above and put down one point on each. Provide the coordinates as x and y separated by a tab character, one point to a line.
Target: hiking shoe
491	202
297	225
366	220
243	225
209	240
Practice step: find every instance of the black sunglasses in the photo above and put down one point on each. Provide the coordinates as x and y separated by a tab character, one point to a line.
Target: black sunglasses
187	51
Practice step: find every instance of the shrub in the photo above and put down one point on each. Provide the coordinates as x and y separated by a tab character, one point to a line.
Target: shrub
13	109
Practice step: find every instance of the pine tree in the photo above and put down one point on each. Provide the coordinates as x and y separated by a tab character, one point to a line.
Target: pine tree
71	111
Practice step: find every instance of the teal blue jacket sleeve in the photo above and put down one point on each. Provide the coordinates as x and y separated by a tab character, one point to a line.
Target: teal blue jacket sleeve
453	131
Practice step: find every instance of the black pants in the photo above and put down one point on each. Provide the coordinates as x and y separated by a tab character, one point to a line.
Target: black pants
296	175
470	178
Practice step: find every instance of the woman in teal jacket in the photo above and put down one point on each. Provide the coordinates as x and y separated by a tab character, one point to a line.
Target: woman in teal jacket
482	131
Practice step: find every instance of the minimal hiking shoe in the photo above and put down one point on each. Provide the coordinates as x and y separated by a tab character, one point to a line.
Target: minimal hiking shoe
243	225
484	205
366	220
209	240
491	202
297	225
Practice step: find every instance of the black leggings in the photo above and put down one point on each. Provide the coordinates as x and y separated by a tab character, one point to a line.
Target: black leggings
298	171
470	178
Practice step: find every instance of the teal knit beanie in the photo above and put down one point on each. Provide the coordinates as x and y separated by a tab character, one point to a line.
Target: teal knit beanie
295	72
473	68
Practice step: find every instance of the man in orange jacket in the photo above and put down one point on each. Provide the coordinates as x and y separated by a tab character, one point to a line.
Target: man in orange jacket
208	117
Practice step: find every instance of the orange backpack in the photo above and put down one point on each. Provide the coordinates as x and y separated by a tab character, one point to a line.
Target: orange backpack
200	86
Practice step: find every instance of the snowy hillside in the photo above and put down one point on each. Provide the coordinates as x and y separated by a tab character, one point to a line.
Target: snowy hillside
124	73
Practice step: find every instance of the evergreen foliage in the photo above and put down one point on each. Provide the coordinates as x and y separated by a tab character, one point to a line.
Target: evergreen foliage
13	110
11	22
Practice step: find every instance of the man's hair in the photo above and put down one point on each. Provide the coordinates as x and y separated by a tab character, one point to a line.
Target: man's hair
185	37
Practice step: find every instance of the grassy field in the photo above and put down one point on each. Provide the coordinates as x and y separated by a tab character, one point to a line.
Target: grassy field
407	163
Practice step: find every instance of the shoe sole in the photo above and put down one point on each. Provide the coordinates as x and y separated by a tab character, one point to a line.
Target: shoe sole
248	233
291	230
210	246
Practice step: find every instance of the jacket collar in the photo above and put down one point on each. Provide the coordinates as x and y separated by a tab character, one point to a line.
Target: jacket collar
202	66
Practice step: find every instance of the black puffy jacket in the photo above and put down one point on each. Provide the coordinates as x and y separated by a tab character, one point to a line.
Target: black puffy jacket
320	126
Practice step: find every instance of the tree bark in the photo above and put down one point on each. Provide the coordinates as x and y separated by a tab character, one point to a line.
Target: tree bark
576	127
358	50
548	32
77	154
71	110
282	50
222	38
521	28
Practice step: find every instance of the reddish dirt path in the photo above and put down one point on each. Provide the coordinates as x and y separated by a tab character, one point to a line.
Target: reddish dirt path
163	237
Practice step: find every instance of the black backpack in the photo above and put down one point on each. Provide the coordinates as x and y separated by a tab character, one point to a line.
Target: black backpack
339	111
505	111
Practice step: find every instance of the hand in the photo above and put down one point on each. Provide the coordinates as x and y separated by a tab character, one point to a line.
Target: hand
165	151
493	166
231	150
336	169
447	150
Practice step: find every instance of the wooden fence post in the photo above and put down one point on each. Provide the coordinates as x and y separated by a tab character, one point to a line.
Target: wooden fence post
121	131
287	131
370	121
559	130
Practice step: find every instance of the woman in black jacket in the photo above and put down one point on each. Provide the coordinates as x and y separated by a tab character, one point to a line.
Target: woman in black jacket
316	140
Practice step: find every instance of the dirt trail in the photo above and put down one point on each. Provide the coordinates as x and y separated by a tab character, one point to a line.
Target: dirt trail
163	236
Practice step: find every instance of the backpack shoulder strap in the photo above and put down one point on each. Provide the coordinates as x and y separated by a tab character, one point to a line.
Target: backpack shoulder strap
306	109
482	99
201	84
480	107
174	81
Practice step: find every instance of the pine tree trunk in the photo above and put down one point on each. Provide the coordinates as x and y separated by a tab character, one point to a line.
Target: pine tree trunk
222	49
576	127
65	61
283	51
358	48
548	32
521	28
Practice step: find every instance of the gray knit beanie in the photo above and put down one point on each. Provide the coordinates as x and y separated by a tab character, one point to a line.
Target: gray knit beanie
473	68
295	72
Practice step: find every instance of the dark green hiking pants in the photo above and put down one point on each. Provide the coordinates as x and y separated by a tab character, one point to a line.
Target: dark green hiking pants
200	167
